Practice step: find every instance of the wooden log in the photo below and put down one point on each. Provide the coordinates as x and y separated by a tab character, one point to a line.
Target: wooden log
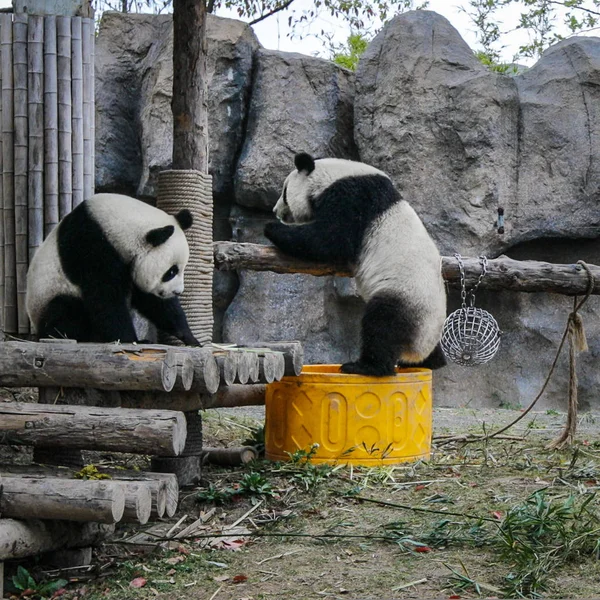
51	209
8	165
502	273
65	156
185	371
272	367
87	45
254	365
21	166
64	499
102	366
230	457
189	103
77	109
19	539
227	362
162	487
245	360
293	354
226	397
35	68
117	429
187	469
138	501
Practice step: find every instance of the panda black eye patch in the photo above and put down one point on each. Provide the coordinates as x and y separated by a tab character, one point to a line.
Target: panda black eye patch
170	273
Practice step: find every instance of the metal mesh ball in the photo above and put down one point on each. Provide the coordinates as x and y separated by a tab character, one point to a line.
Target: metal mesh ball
470	336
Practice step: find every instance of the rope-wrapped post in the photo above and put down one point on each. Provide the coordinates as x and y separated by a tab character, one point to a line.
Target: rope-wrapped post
191	189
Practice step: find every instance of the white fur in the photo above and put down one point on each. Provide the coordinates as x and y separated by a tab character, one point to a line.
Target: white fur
398	255
298	187
125	222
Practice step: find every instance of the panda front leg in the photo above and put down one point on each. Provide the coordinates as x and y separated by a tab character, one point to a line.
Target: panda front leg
325	241
167	314
110	319
386	331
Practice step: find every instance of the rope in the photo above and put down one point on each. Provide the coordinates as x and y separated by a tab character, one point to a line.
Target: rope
178	189
577	342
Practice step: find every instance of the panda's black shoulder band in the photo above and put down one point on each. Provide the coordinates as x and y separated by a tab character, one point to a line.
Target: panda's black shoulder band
304	162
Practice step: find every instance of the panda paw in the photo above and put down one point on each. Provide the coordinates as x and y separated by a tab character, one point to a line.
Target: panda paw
273	230
359	368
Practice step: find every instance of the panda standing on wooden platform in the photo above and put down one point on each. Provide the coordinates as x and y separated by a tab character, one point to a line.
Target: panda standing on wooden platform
110	254
344	212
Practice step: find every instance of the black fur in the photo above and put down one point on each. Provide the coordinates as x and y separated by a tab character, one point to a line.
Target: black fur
387	329
185	219
342	213
157	237
304	162
102	314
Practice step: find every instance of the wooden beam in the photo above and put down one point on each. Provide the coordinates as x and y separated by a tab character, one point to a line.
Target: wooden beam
502	273
96	428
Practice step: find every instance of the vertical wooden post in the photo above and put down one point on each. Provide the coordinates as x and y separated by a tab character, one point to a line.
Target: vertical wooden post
35	51
189	104
77	92
65	175
8	190
21	118
51	211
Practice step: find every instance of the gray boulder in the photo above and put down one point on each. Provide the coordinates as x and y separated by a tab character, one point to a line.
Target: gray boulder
442	125
559	151
298	103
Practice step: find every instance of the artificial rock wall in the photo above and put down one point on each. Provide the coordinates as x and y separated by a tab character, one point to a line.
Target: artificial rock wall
458	140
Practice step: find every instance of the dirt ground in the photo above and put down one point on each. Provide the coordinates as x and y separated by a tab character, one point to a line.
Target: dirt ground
497	519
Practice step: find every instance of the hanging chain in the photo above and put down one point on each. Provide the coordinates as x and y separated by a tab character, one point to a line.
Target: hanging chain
463	286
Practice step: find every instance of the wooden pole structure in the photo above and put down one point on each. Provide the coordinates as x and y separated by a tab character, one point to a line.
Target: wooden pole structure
21	118
51	194
77	113
8	170
189	104
35	196
502	273
161	432
65	156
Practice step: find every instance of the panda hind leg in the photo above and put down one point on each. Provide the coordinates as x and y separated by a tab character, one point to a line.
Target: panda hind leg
436	360
386	332
65	317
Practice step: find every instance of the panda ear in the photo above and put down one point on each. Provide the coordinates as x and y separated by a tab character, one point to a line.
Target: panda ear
304	162
156	237
184	218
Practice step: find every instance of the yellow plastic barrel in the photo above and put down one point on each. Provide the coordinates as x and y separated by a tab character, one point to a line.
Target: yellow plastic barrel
350	419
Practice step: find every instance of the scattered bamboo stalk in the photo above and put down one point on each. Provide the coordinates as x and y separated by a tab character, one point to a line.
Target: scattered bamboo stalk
35	50
8	190
65	157
20	165
51	208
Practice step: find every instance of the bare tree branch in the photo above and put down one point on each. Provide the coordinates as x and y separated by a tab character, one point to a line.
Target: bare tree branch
274	11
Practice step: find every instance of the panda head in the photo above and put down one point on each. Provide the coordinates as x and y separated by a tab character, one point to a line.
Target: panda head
309	179
159	269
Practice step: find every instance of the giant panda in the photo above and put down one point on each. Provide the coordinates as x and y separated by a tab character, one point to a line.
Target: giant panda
346	212
109	255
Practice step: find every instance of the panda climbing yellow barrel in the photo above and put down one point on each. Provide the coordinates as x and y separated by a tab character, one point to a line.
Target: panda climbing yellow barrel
350	419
